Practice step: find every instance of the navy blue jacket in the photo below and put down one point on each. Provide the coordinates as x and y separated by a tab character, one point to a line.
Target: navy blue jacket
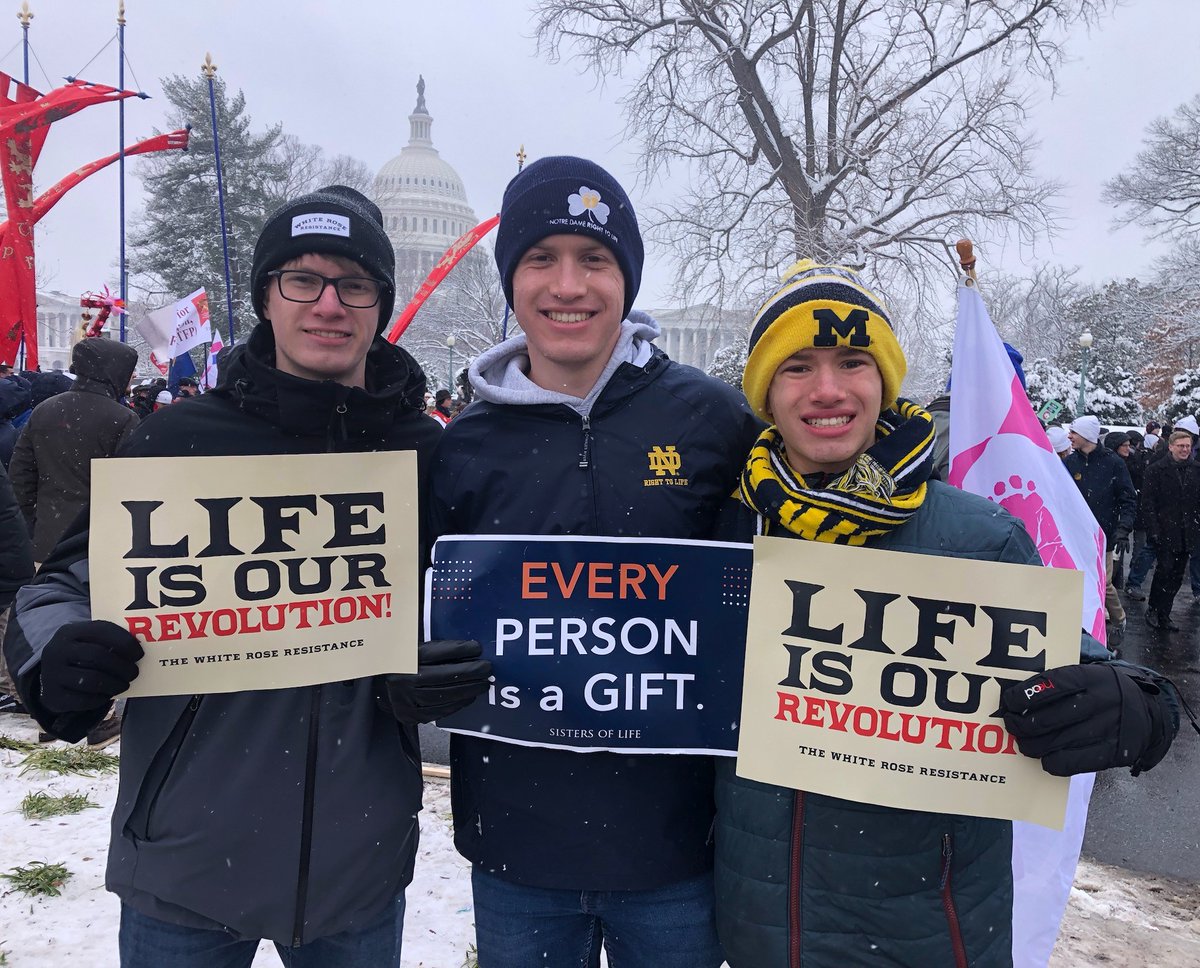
811	881
555	818
1104	480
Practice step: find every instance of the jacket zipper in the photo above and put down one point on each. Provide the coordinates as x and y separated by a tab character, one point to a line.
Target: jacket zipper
314	726
310	777
794	879
585	456
181	731
960	950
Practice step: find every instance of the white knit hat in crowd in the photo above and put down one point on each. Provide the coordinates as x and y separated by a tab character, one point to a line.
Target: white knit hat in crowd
1059	440
1188	423
1088	427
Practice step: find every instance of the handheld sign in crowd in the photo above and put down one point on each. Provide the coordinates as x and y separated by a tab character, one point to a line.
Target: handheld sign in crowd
875	676
242	573
597	643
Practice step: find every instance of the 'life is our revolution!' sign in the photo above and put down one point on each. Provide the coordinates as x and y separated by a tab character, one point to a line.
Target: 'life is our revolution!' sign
597	643
875	676
241	573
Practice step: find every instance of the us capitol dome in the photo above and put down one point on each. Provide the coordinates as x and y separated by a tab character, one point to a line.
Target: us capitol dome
422	198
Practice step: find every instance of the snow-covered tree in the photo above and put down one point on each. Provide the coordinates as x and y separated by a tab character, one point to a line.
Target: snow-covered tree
851	132
1185	396
1113	397
469	305
1045	381
176	243
1161	188
728	364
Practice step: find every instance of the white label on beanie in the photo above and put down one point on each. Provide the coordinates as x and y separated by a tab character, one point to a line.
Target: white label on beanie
316	223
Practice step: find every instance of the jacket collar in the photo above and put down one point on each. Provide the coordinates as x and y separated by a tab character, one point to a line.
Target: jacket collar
395	385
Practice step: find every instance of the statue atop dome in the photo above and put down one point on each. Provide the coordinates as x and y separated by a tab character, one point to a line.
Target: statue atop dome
420	108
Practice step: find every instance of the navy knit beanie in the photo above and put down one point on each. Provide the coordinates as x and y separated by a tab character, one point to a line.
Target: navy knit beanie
334	220
563	195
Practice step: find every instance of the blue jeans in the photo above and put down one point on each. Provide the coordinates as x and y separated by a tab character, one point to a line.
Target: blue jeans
147	942
535	927
1141	560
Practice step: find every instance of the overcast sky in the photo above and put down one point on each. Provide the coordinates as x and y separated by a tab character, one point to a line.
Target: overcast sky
343	75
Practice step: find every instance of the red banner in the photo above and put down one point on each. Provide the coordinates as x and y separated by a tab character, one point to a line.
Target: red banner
25	119
462	245
50	197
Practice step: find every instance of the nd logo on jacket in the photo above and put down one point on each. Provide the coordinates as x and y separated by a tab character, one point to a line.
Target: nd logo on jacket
665	462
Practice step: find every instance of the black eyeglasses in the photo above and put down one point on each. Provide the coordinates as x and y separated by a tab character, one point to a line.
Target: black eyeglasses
302	286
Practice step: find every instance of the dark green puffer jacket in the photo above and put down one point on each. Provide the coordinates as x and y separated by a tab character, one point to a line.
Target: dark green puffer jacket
811	881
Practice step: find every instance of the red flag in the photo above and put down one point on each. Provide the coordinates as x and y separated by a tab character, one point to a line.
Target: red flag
25	119
50	197
462	245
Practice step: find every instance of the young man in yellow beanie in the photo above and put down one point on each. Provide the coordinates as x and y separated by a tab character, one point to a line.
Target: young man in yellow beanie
810	881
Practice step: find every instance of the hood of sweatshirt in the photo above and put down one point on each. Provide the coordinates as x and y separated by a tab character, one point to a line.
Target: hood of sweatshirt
501	374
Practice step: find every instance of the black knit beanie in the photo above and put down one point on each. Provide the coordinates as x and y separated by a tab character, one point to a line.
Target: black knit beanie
334	220
563	195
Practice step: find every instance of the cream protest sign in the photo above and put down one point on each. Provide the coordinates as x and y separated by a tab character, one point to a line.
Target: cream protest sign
242	573
876	675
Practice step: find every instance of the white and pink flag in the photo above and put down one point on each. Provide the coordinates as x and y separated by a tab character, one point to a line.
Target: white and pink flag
999	450
210	369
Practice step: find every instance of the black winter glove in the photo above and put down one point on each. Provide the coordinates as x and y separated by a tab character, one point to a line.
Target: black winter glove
86	664
449	676
1089	717
1120	546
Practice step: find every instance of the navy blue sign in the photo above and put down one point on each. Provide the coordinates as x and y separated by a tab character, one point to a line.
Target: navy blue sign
598	643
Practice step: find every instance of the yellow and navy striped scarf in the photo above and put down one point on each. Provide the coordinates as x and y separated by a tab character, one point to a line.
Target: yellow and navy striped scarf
880	491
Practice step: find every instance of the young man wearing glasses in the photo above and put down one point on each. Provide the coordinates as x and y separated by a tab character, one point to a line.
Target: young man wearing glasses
288	814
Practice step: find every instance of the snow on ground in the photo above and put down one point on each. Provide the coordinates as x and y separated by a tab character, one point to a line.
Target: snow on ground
1116	919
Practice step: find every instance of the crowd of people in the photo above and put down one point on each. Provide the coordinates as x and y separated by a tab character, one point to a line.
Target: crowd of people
1144	488
291	814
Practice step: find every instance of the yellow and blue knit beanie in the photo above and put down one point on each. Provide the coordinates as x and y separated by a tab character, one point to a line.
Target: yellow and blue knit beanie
821	306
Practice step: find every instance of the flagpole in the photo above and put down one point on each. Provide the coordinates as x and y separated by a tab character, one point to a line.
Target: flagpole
24	15
121	159
209	70
521	156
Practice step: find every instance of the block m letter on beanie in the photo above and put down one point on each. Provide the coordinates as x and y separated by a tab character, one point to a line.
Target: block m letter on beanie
830	326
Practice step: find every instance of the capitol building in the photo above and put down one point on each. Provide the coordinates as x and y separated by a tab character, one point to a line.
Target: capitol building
425	208
423	200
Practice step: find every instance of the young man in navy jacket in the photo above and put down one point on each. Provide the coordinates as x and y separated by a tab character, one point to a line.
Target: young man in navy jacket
570	848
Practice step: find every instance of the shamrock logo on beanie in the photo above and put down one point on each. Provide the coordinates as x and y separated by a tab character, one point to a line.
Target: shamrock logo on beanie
588	200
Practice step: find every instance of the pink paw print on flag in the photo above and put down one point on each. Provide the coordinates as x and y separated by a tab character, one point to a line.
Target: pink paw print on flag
1021	500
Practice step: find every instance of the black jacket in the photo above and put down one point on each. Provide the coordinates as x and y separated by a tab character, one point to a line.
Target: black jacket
288	814
15	397
555	818
51	467
16	553
1104	480
1170	505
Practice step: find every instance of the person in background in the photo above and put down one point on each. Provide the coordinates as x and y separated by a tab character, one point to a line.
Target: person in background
1170	508
441	407
1104	481
1059	440
16	569
16	397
